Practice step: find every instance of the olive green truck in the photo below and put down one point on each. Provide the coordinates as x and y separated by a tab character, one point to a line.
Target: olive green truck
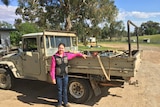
86	76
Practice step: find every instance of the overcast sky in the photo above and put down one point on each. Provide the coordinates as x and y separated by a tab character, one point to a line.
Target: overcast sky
138	11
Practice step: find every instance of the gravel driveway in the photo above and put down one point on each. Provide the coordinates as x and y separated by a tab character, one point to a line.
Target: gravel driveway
146	94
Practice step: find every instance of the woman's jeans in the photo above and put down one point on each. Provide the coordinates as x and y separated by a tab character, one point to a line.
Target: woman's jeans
62	85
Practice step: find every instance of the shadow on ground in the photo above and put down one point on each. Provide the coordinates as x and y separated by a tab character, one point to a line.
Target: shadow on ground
105	92
37	92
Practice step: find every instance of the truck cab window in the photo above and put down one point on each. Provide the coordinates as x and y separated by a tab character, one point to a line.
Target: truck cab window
63	39
52	41
30	44
47	42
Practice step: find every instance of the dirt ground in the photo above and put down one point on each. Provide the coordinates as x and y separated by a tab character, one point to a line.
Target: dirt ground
145	94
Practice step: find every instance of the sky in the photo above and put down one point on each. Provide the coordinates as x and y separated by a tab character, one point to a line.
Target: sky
138	11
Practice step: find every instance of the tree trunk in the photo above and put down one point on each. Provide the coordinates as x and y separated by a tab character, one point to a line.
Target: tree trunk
68	24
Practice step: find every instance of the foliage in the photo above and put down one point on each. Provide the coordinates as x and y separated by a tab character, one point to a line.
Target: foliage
83	16
27	27
15	38
4	24
66	12
6	2
115	29
150	28
23	28
86	17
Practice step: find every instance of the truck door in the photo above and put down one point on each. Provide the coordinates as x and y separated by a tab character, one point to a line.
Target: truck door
31	63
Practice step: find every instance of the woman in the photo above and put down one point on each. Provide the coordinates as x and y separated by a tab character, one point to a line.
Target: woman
59	72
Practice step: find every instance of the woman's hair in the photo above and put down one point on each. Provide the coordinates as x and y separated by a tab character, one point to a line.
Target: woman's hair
61	44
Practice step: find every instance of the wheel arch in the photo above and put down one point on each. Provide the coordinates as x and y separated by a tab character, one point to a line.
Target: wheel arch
9	66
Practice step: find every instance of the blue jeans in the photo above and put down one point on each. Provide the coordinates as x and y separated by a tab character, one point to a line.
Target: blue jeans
62	85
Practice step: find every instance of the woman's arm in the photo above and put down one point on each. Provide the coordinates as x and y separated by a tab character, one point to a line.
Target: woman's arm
73	55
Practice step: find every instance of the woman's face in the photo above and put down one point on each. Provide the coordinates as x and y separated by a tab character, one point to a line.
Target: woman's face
61	49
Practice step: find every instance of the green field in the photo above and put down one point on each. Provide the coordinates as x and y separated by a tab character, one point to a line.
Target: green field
86	48
154	41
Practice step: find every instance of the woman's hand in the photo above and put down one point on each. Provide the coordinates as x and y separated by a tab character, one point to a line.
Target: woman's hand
54	81
84	56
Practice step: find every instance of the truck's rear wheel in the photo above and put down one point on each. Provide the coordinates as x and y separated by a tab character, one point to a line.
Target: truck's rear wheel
5	79
79	90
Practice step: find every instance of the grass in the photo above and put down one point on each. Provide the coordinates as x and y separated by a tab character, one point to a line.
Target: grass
86	48
100	46
154	41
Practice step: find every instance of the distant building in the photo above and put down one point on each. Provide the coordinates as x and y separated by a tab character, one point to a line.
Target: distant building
5	38
91	39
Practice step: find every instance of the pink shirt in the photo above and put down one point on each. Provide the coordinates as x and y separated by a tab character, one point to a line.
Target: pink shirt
53	63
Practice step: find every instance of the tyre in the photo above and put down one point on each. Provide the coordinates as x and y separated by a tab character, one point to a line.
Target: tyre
79	90
5	79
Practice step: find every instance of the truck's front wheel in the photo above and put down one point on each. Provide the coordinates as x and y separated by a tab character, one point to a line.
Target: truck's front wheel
5	79
79	90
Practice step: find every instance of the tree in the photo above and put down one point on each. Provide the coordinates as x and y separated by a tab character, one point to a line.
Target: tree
23	28
82	16
116	29
4	24
63	14
31	11
150	28
105	32
15	38
27	27
6	2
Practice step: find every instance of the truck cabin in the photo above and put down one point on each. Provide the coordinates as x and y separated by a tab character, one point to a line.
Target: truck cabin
49	41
